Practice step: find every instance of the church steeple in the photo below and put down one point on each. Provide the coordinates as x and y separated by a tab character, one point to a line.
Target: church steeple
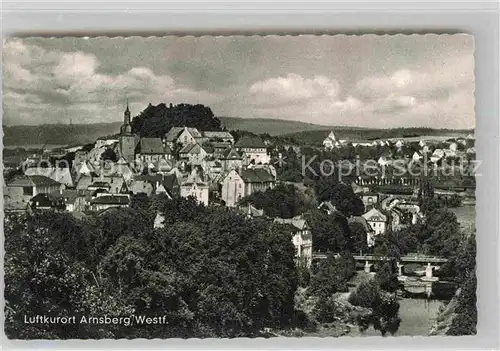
126	128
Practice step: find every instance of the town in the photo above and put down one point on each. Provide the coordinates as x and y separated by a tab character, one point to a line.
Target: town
380	189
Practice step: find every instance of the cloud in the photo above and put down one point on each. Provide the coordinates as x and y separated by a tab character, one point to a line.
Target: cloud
44	86
294	88
370	81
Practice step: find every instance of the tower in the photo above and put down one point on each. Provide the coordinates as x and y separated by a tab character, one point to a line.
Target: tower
127	139
126	127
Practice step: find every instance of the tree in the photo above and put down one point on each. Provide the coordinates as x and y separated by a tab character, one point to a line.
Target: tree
332	276
425	194
109	155
283	201
359	235
384	307
156	121
330	233
387	277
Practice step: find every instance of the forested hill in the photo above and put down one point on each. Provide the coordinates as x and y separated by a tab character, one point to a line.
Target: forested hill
156	121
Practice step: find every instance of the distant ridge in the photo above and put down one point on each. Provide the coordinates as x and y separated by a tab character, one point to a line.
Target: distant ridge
71	134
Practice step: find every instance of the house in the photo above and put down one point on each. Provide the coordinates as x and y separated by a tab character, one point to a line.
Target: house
399	144
193	153
453	146
254	149
23	188
59	174
220	136
437	155
43	201
383	161
231	159
302	238
195	185
330	141
250	211
245	181
182	136
416	156
377	220
470	137
70	196
369	199
327	207
471	151
108	201
370	232
152	150
421	143
141	186
105	141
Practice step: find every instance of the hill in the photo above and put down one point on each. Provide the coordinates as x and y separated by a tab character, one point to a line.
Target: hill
58	134
316	137
65	134
303	133
269	126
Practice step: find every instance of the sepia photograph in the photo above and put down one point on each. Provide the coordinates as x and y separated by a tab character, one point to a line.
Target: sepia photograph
239	186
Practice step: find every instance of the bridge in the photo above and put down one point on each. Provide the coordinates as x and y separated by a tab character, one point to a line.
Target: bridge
432	262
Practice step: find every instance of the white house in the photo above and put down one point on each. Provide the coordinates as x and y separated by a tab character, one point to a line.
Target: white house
399	144
377	220
195	186
254	148
302	238
243	182
416	156
330	140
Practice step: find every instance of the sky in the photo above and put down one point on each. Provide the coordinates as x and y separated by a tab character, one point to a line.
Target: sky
365	81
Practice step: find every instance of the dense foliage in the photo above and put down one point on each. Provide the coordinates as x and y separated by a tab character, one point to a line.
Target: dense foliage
384	307
209	271
156	121
283	201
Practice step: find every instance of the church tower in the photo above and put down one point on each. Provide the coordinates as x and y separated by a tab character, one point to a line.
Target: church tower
127	139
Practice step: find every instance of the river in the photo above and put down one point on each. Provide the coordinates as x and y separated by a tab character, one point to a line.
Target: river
417	314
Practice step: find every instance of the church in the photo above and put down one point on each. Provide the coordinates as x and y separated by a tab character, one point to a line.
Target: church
127	141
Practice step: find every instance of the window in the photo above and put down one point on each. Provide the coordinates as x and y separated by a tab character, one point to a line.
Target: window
239	185
27	190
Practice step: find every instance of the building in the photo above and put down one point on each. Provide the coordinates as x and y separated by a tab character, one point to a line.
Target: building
195	185
193	153
250	211
43	201
370	232
369	199
330	141
218	137
302	238
416	157
328	207
152	150
254	148
127	141
104	202
182	136
243	182
24	187
377	220
399	144
59	174
231	159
